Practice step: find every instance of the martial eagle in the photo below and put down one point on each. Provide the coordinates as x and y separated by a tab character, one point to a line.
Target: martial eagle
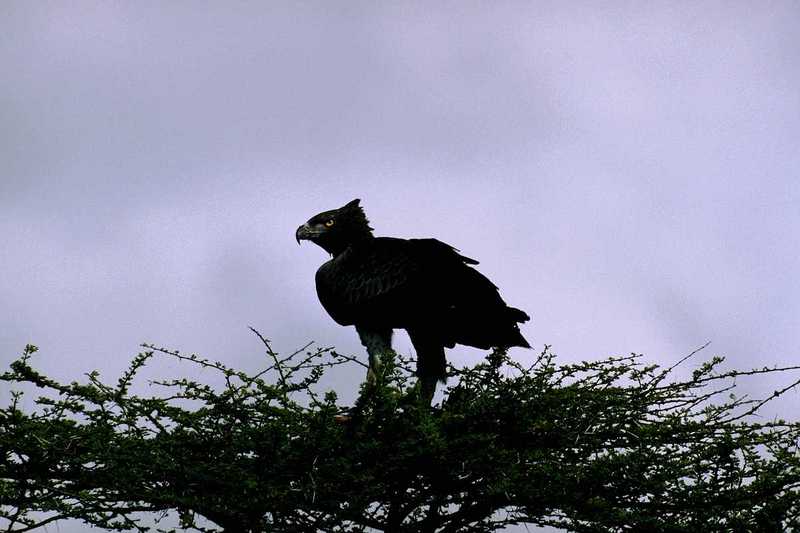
424	286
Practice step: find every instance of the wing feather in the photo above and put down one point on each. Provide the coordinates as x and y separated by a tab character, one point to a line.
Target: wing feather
388	279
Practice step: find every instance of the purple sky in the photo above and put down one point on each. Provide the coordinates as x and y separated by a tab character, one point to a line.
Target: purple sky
627	173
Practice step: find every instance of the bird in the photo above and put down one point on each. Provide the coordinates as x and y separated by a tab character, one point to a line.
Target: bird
424	286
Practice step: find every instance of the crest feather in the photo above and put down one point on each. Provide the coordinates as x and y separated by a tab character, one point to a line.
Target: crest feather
356	216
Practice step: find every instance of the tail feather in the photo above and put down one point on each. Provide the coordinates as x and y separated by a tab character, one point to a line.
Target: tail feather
518	315
479	317
492	329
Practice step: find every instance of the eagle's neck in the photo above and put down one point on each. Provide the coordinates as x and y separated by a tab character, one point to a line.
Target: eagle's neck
353	243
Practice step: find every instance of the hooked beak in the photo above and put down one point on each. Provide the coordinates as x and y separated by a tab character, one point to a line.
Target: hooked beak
304	232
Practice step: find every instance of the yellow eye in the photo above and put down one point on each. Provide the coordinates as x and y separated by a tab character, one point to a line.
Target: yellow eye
328	223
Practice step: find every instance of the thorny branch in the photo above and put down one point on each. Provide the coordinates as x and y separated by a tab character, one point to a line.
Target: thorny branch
610	445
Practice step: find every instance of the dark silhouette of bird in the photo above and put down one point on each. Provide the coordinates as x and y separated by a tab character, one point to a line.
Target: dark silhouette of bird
424	286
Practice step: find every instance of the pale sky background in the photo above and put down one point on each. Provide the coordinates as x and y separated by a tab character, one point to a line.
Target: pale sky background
627	173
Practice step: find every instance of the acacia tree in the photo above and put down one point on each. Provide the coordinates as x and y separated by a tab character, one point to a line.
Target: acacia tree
611	445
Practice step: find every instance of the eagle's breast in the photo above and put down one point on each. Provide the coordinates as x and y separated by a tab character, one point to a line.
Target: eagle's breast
367	283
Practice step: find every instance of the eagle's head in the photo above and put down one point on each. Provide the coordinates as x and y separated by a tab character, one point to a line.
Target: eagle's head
336	229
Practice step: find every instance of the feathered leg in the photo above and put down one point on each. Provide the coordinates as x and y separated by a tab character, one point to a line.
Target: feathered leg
427	388
377	342
431	363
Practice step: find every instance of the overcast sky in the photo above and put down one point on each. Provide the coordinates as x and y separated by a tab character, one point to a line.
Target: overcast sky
627	173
